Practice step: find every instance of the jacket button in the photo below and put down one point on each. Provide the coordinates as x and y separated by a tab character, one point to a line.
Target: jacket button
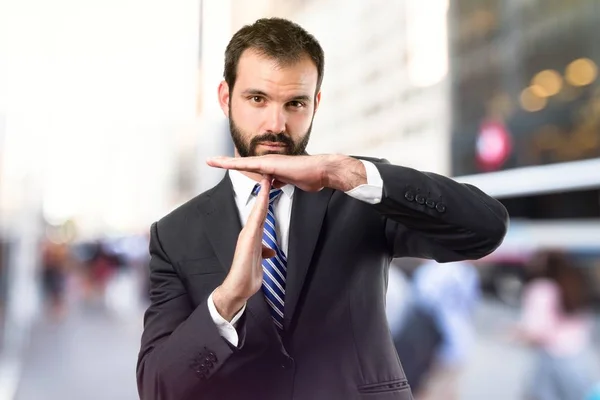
420	199
430	203
202	372
440	207
410	196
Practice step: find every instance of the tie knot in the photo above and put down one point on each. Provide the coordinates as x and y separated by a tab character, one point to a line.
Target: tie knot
273	193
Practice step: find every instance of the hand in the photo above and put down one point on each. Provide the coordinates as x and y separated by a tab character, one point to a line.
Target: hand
246	273
309	173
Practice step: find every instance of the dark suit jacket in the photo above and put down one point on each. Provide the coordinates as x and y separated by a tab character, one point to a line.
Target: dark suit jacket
337	344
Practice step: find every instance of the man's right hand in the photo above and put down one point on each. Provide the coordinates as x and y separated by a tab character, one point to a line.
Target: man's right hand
246	273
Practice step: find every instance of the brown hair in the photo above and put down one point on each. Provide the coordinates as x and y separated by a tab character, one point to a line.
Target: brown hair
277	38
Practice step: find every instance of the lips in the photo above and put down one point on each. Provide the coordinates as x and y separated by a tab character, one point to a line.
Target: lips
273	144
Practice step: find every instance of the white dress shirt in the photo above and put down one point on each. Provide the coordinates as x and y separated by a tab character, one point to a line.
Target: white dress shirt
242	186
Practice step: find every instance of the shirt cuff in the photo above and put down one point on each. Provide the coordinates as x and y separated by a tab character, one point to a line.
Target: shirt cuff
372	191
226	329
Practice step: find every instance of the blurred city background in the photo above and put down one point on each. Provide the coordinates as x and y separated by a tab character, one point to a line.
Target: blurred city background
109	108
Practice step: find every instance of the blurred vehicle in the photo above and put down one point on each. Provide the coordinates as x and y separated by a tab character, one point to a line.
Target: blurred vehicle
505	271
551	207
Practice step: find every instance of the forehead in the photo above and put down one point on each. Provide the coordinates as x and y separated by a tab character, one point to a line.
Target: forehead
257	71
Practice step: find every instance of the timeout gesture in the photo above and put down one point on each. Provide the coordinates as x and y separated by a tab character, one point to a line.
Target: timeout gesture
246	273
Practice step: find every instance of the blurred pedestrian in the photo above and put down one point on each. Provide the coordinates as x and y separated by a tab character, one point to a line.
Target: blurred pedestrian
557	323
54	277
449	293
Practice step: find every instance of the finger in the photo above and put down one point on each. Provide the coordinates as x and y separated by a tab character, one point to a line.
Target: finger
217	161
267	252
257	216
249	164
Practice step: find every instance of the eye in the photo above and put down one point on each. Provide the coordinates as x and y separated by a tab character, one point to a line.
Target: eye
257	99
296	104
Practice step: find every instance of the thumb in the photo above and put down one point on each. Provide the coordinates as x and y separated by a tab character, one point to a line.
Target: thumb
267	252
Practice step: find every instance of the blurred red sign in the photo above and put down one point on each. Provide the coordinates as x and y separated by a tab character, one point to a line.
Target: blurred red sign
493	145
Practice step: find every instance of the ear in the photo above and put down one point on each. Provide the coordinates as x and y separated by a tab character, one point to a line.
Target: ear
317	101
224	97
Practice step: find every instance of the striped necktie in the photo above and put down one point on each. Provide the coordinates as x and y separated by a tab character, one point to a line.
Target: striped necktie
274	269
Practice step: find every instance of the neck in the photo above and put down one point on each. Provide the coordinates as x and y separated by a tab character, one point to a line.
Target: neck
252	175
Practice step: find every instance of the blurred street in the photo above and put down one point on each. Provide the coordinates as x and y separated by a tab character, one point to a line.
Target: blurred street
92	356
491	354
499	367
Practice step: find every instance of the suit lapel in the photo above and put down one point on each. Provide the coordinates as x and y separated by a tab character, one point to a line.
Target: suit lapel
222	221
308	211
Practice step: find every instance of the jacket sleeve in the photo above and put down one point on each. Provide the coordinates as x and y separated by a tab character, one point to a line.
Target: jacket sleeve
434	217
181	348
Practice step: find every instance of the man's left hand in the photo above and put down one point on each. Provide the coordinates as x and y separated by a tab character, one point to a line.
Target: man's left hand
309	173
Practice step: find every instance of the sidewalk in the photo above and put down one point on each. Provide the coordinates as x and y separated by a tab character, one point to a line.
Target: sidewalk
90	356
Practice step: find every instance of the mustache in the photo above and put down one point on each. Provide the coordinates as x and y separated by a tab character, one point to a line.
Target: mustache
272	137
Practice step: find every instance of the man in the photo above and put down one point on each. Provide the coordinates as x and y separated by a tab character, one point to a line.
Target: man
304	316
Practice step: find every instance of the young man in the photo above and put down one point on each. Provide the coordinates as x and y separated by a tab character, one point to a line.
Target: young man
276	290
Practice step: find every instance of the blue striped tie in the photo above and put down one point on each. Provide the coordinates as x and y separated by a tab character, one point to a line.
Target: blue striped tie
274	269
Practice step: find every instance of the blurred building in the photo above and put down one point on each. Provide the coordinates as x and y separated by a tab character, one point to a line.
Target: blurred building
93	111
385	89
526	103
528	68
526	118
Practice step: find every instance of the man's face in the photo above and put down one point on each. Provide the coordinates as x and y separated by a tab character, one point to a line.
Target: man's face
271	108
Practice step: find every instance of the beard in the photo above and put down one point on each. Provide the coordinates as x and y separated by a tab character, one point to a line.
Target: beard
249	149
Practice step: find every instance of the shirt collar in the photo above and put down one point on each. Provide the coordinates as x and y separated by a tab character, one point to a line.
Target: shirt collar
243	186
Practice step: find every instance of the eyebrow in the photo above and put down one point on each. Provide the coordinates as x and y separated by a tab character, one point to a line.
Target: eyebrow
257	92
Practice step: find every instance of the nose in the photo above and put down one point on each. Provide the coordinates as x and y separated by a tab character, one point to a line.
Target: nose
276	120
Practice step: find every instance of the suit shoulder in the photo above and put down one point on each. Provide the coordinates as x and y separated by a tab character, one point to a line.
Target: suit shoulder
182	213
